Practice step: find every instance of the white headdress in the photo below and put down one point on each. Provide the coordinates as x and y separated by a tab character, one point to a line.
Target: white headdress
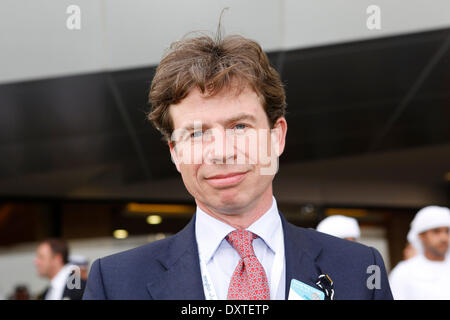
427	218
340	226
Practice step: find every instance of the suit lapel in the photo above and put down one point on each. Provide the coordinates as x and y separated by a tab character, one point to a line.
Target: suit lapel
301	256
180	278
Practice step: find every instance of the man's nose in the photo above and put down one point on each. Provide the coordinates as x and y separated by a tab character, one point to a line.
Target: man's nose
219	146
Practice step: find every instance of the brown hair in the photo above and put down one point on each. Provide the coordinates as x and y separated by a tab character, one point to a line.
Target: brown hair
58	246
212	65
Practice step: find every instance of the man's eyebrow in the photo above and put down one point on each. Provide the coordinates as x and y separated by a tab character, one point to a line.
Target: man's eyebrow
235	118
240	117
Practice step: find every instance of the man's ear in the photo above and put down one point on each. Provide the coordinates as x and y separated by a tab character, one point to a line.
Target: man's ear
174	156
279	133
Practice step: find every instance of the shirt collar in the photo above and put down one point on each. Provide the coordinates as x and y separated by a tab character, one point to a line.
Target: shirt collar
267	226
59	280
210	231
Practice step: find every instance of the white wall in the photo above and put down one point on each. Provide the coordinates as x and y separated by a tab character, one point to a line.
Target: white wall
312	23
117	34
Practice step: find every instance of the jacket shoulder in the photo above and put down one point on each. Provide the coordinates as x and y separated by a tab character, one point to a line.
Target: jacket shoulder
334	246
124	275
131	258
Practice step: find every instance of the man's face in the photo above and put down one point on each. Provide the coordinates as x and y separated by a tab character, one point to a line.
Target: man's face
225	150
436	241
45	260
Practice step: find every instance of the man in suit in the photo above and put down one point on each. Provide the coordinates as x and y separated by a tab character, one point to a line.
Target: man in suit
220	106
52	263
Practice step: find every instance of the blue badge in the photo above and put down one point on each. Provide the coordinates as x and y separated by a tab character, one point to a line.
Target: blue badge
301	291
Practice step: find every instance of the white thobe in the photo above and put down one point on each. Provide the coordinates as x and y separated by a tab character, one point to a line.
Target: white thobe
421	279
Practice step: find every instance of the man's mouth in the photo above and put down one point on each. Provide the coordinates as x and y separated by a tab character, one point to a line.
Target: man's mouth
226	180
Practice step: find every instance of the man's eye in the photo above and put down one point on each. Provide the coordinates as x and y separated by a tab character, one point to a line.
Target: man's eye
196	134
240	126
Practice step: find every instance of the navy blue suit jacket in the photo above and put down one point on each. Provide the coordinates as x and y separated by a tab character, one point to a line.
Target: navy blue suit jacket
170	269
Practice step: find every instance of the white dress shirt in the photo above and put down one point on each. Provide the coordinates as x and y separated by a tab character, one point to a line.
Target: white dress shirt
221	258
58	283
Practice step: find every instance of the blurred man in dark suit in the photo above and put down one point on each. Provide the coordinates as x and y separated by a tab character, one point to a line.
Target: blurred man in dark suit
52	262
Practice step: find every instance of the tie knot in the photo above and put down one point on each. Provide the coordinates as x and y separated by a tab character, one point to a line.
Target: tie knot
241	241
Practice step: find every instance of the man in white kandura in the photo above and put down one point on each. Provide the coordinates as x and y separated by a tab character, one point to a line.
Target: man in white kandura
427	275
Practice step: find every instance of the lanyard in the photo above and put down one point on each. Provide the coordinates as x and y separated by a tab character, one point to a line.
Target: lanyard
276	270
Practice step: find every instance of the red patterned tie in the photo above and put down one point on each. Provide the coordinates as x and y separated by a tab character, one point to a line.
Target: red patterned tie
249	281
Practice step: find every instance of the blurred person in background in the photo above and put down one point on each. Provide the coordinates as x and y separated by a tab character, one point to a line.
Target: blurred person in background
426	276
82	262
52	263
20	293
410	250
340	226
